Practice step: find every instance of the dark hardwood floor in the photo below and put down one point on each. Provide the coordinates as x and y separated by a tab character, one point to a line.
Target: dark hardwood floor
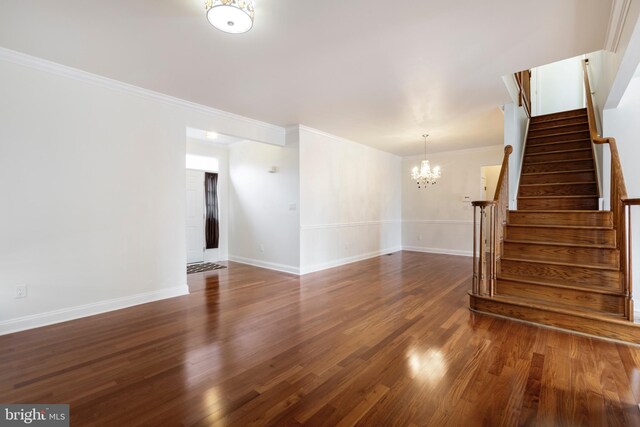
387	341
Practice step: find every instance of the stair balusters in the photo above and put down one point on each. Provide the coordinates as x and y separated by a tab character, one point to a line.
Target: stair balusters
489	217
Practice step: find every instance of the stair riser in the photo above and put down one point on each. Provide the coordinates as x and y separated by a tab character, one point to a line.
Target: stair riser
560	122
592	236
561	115
557	146
588	176
558	138
562	274
588	189
558	128
595	219
610	304
551	253
558	204
563	155
559	167
595	327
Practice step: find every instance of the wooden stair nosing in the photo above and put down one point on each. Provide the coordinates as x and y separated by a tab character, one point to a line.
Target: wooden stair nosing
602	291
563	264
585	124
572	227
542	123
557	134
540	144
560	197
560	211
615	310
573	245
559	161
559	172
557	183
559	151
591	325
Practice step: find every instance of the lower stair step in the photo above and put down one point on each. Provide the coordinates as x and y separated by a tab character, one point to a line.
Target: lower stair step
558	203
576	298
604	279
564	217
559	166
559	189
580	154
605	326
562	234
597	256
564	176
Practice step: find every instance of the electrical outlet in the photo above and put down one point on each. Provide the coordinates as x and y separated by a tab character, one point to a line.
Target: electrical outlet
21	291
419	237
261	247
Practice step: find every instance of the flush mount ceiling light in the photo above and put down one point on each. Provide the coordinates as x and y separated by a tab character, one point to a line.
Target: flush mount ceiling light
230	16
425	175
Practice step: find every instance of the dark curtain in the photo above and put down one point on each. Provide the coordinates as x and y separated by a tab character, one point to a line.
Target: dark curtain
212	230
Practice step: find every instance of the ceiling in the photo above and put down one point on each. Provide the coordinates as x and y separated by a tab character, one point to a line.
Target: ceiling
376	72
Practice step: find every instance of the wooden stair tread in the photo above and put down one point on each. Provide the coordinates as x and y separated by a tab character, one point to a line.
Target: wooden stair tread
558	172
572	227
557	183
603	291
563	126
557	134
563	309
564	264
559	151
560	142
595	196
576	245
560	160
557	211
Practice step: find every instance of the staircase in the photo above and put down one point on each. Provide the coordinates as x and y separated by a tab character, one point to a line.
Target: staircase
558	261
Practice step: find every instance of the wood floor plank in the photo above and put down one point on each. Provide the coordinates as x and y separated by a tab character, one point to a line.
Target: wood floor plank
385	341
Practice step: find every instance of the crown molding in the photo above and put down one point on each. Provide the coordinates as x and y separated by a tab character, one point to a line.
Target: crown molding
51	67
617	20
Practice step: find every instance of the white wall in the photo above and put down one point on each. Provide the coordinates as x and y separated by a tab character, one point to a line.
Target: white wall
515	130
557	87
349	201
623	124
264	218
221	153
435	219
92	177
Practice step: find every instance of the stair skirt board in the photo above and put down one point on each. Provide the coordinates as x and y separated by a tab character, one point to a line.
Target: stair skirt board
555	328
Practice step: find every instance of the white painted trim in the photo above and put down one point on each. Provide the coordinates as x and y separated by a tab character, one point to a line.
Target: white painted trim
636	315
442	251
265	264
617	20
71	313
348	260
439	221
40	64
349	224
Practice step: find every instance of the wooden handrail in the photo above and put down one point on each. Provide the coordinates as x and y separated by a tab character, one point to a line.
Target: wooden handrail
523	80
619	209
489	232
631	202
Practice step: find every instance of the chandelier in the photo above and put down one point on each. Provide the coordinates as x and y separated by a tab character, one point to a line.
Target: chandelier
425	175
230	16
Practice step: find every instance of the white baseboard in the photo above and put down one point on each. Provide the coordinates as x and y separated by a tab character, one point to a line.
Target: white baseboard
347	260
56	316
265	264
437	251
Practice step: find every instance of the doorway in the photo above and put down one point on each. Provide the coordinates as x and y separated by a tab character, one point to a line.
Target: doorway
195	216
489	181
